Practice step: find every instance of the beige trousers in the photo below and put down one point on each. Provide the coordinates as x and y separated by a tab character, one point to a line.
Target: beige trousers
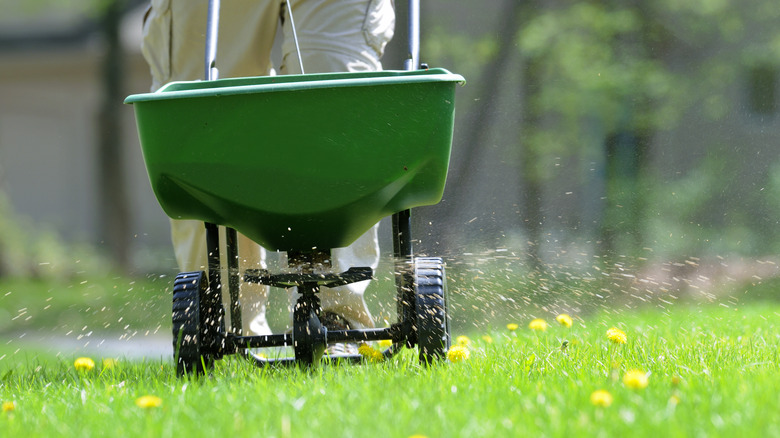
334	35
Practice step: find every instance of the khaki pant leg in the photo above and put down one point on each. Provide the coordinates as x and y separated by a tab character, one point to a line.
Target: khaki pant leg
341	36
189	245
174	41
337	35
174	46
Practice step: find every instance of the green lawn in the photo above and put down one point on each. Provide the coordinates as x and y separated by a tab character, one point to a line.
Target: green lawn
711	371
90	303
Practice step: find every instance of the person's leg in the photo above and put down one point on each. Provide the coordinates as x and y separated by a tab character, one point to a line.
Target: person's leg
174	39
174	47
342	36
337	35
189	244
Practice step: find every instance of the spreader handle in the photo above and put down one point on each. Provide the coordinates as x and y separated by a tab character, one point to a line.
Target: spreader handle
212	30
413	30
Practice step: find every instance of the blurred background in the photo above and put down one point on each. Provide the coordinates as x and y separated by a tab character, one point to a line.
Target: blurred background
599	145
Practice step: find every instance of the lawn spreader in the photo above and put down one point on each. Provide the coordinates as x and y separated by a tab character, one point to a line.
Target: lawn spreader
374	144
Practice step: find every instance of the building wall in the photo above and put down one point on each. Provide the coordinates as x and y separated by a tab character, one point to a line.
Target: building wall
48	136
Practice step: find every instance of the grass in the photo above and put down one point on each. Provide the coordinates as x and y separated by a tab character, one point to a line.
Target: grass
712	371
94	302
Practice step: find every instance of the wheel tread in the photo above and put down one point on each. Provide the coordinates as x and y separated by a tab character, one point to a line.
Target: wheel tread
432	326
190	337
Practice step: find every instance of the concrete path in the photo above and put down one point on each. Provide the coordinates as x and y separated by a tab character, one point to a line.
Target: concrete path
97	345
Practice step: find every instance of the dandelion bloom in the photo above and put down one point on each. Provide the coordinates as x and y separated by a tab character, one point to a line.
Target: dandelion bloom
601	398
463	341
635	379
9	406
538	324
377	356
84	364
148	401
385	343
487	338
458	353
370	353
512	327
616	335
564	320
109	363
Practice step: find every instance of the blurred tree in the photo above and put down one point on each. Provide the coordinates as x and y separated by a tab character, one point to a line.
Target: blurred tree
599	81
486	61
114	210
530	153
494	55
593	82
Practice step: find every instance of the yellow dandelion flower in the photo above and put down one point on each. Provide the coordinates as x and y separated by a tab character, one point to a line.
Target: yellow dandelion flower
512	327
538	325
564	320
365	350
84	364
148	401
674	400
370	353
635	379
458	353
385	343
616	335
9	406
463	341
109	363
487	338
418	436
601	398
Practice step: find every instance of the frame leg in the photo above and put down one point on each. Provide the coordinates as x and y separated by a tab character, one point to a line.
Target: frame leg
236	325
404	272
309	339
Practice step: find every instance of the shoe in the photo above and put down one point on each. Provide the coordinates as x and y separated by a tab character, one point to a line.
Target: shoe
334	322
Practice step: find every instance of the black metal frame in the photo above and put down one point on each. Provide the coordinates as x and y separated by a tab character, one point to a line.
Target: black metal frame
311	335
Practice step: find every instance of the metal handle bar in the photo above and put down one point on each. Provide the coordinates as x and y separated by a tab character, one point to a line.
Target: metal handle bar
413	29
212	31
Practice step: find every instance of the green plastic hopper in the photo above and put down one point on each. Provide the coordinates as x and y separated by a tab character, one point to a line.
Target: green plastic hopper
301	161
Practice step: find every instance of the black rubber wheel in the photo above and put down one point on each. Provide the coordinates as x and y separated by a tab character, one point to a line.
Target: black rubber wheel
432	325
197	324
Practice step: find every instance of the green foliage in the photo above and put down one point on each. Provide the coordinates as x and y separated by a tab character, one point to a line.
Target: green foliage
20	10
591	65
463	51
28	249
590	70
705	210
85	304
